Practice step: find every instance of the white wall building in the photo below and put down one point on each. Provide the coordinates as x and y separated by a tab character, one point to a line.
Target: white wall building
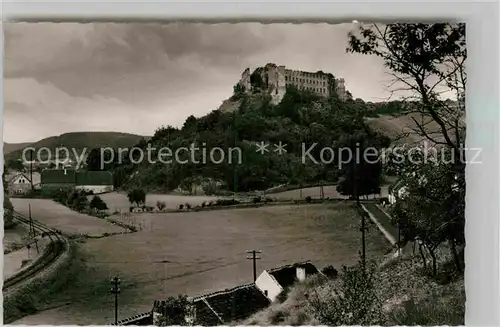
273	281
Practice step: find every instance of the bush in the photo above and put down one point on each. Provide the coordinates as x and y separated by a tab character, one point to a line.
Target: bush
98	204
181	206
173	311
355	302
278	317
226	202
137	197
256	199
203	204
330	272
432	311
188	206
308	199
283	295
384	201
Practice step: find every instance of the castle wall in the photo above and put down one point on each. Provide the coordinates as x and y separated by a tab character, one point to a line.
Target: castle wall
245	80
315	82
279	78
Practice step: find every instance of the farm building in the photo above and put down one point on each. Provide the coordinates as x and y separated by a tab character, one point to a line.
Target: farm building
94	181
144	319
221	308
273	281
89	181
241	302
20	183
397	191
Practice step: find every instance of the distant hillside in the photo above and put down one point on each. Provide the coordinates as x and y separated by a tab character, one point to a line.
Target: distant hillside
403	129
301	119
80	140
11	147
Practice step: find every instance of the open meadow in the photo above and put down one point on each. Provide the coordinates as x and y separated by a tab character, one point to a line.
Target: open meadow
119	201
64	219
329	191
199	252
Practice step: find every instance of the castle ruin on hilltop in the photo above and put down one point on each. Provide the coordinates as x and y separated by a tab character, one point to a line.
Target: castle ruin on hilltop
275	79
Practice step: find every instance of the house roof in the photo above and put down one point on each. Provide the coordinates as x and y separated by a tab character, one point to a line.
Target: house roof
143	319
233	304
12	177
58	176
94	178
287	275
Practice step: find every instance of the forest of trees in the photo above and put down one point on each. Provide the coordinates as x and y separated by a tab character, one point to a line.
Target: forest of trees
301	118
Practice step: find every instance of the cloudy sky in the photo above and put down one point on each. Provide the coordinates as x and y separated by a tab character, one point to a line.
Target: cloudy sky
134	78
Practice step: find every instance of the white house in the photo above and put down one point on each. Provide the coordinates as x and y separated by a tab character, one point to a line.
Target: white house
273	281
20	183
399	191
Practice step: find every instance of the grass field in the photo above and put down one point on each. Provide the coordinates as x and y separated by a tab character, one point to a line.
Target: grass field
383	218
199	252
60	217
315	192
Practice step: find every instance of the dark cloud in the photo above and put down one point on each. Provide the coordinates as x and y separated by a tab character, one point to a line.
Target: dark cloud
80	76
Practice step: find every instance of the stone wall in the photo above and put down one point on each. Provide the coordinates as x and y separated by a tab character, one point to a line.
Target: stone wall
279	78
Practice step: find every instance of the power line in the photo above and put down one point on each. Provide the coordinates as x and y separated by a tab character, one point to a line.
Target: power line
254	258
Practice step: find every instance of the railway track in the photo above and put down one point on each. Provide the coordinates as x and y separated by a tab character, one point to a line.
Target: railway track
58	244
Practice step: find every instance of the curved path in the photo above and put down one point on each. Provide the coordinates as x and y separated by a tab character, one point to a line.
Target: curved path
57	246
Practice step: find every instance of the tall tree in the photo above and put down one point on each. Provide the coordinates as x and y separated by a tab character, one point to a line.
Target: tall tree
427	61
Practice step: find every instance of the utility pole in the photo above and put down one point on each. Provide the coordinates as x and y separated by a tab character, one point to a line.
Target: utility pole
32	228
254	258
363	229
115	281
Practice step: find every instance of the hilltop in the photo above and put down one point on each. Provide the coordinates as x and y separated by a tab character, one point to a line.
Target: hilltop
301	118
81	140
11	147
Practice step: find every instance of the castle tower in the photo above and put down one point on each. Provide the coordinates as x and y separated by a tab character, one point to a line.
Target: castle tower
245	80
281	83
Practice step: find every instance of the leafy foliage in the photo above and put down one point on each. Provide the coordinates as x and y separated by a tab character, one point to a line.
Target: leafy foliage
174	311
137	197
161	205
355	302
98	204
425	60
8	208
77	201
301	119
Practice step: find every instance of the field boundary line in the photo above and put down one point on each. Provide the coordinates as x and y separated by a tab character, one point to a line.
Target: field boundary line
383	210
